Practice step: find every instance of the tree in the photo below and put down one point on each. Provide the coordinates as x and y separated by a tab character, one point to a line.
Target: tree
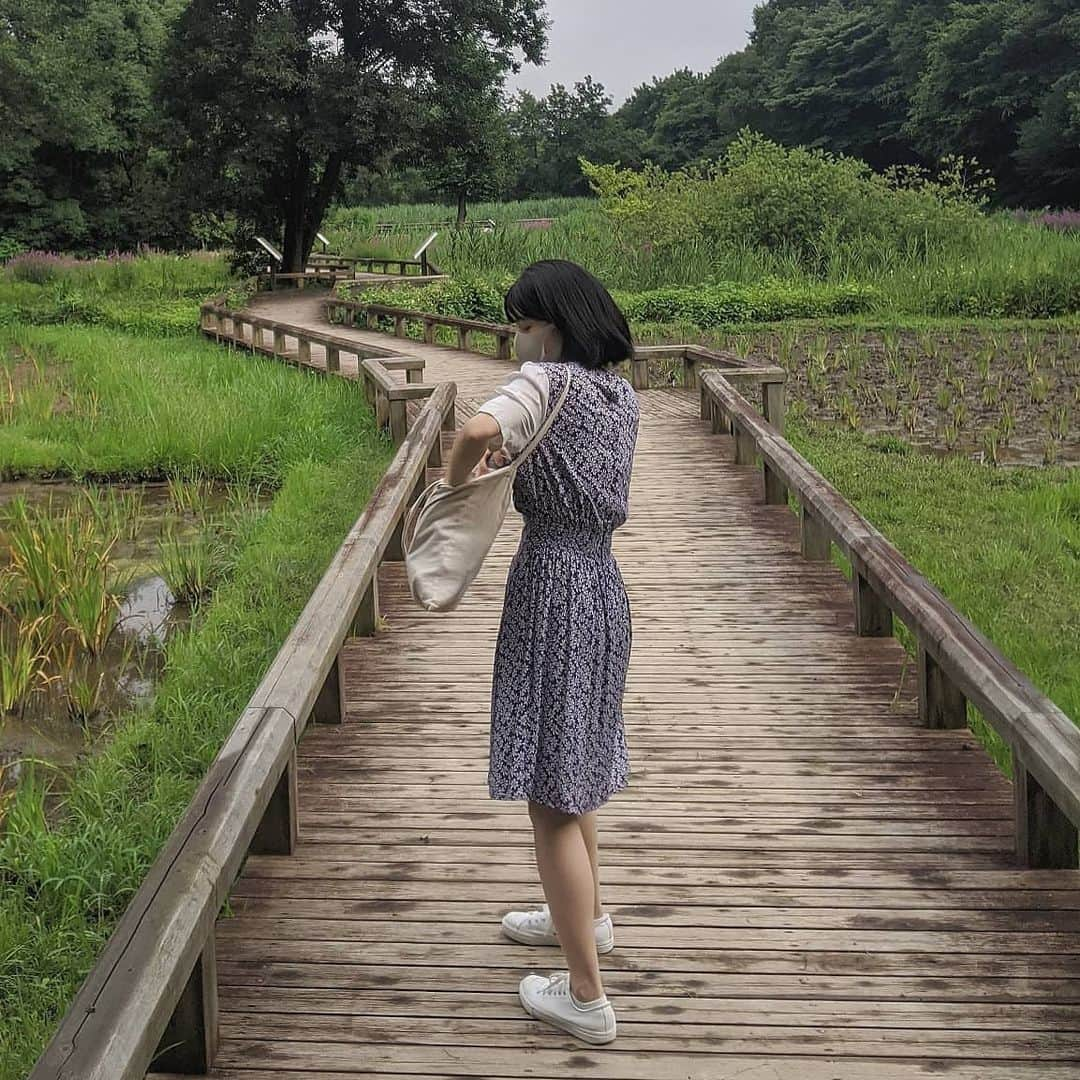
465	141
275	102
553	133
1000	85
78	164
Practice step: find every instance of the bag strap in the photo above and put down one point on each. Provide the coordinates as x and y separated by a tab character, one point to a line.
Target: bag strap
544	428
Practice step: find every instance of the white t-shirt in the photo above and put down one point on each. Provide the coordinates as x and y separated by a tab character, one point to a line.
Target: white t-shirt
520	406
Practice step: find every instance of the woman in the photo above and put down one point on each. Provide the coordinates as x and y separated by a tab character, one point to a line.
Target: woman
557	735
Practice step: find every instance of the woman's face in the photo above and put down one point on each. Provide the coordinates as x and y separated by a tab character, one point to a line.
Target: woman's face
536	340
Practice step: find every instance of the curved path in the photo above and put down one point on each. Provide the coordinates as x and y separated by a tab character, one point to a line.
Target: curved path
806	885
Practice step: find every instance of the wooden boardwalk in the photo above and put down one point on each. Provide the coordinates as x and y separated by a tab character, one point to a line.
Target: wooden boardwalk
805	883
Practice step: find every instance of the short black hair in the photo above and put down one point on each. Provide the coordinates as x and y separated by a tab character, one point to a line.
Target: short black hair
594	331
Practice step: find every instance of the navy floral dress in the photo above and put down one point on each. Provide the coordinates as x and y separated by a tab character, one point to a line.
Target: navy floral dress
557	733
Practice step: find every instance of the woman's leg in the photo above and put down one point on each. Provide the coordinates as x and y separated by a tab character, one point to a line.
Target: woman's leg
588	832
566	874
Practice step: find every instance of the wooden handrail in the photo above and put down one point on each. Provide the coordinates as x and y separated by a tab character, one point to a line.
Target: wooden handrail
350	311
388	397
151	999
956	662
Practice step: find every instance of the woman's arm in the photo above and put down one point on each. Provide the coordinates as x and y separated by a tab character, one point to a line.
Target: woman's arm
477	436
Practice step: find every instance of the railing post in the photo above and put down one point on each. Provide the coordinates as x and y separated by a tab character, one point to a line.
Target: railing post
303	351
745	447
873	617
333	358
502	351
367	614
690	375
776	492
276	833
371	320
189	1043
399	325
639	373
279	342
1045	838
330	704
238	336
399	420
463	339
772	404
816	542
429	331
941	704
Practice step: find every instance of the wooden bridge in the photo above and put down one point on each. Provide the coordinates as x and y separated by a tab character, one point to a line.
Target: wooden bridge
815	874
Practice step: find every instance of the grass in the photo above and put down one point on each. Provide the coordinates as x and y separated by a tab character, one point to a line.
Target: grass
66	880
1004	269
160	406
1002	544
151	293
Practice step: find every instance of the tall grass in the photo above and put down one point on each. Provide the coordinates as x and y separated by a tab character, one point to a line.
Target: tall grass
150	292
1002	269
144	409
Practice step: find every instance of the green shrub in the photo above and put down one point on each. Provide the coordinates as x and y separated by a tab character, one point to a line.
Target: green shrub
702	306
729	302
809	204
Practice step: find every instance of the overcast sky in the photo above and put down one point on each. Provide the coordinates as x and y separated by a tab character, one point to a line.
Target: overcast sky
623	43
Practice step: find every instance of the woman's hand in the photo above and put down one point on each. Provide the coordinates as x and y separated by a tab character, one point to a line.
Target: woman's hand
471	447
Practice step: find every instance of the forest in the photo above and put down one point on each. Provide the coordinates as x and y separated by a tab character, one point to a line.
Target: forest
165	122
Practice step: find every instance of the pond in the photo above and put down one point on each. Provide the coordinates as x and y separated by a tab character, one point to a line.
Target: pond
94	581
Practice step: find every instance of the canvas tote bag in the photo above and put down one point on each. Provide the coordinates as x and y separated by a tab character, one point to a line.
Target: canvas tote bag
448	531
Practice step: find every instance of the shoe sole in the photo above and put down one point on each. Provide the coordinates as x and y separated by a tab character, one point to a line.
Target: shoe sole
524	938
564	1025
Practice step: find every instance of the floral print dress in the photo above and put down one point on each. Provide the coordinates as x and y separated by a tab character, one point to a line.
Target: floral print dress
557	734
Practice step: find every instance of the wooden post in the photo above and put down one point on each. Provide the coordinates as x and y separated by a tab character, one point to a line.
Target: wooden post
463	339
772	403
690	377
1045	838
435	458
873	617
399	326
816	542
503	346
330	704
941	704
776	493
705	409
367	614
276	834
399	421
449	422
745	447
333	358
639	374
189	1043
372	320
429	331
279	342
303	351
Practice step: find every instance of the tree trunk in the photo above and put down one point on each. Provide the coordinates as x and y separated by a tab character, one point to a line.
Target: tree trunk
461	196
295	249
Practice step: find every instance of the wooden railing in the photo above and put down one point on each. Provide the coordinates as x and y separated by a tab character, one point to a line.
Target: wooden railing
151	999
374	264
293	345
357	312
956	663
691	358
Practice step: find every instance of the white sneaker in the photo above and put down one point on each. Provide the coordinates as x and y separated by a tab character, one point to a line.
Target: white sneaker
536	928
549	998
